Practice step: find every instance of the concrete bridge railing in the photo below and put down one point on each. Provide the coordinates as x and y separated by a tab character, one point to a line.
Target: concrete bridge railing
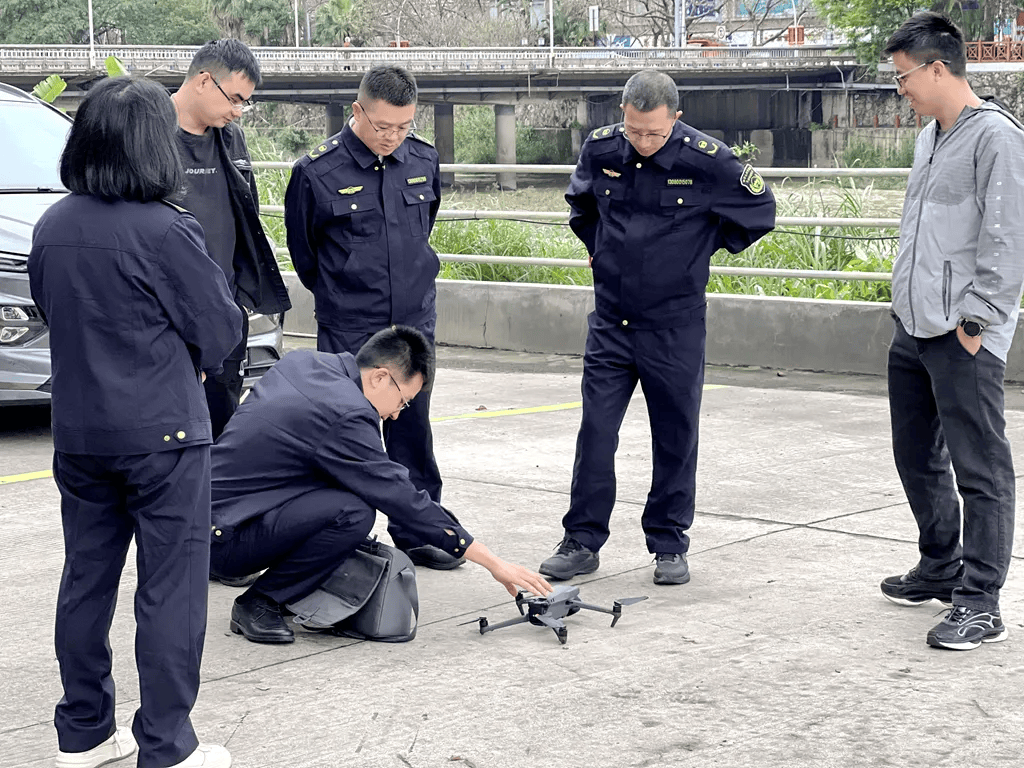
23	59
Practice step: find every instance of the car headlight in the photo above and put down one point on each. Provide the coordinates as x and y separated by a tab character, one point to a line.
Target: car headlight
20	324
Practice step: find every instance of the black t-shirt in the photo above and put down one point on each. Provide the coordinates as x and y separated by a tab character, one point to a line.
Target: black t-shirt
208	199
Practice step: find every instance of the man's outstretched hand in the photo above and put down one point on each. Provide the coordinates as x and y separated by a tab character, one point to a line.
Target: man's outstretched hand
509	575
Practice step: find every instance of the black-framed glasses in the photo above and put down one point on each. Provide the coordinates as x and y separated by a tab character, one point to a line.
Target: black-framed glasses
242	107
402	130
633	136
898	79
405	403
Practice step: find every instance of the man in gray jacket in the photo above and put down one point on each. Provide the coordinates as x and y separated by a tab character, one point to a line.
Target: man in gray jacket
956	291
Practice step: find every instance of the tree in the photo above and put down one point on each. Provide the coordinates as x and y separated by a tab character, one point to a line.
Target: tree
869	23
132	22
759	13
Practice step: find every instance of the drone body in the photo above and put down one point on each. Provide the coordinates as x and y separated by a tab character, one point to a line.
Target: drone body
550	610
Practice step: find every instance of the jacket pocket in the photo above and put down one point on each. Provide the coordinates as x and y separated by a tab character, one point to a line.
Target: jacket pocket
417	209
357	219
947	287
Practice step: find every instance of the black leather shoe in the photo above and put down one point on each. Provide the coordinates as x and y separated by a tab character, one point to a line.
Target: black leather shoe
235	581
431	557
259	619
571	559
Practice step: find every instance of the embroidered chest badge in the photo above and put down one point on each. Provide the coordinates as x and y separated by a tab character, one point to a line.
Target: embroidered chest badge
610	173
680	182
350	190
417	180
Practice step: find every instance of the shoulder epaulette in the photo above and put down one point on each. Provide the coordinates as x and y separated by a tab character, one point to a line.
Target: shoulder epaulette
323	149
707	146
607	132
420	139
178	208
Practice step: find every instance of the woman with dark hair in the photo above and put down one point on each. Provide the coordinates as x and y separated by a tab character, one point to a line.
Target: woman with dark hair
138	315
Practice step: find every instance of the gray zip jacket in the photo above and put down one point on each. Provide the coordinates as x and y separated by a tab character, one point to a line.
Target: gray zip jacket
961	248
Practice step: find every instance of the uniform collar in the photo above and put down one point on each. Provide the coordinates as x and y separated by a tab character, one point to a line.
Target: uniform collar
362	153
665	157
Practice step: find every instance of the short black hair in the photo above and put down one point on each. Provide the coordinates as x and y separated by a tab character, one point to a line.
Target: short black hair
402	348
122	145
649	89
390	83
224	57
928	36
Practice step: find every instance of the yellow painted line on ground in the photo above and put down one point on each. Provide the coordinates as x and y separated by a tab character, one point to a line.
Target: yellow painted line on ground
46	473
26	476
511	412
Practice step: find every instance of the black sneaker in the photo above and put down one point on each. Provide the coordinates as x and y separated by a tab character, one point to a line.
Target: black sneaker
671	568
571	559
964	629
911	589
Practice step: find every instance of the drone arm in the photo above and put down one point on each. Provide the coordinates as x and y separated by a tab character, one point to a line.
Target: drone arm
491	627
590	607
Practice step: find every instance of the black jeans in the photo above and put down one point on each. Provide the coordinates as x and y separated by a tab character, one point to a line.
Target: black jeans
946	408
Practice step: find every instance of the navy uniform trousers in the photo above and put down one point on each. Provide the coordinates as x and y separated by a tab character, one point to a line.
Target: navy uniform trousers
669	364
408	439
163	500
300	543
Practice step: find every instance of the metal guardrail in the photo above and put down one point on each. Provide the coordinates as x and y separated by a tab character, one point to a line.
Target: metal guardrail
312	61
562	217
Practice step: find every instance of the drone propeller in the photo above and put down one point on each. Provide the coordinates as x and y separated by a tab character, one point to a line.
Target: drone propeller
630	600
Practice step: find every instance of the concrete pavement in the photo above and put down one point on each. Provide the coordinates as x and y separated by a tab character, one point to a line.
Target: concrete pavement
780	652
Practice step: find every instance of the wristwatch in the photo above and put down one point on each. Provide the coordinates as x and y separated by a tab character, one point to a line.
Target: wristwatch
971	328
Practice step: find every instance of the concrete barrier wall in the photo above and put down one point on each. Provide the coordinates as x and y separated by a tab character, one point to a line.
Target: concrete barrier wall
772	332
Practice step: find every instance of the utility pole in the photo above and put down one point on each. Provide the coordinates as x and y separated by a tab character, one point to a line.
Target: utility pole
296	23
92	40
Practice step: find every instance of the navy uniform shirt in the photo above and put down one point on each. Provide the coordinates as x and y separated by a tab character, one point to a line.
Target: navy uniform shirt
651	224
136	308
307	426
358	227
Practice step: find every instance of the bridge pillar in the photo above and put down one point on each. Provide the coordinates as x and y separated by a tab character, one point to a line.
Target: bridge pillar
444	138
505	141
335	118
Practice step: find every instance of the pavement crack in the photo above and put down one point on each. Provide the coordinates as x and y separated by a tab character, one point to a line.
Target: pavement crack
237	726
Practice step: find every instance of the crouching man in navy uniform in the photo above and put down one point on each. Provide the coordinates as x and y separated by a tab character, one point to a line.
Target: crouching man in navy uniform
652	199
359	211
138	314
300	472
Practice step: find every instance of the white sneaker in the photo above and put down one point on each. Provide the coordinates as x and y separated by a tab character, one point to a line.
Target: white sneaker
120	745
206	756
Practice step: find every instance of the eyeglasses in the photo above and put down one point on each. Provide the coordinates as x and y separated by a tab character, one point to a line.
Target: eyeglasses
400	131
632	136
898	79
244	107
405	403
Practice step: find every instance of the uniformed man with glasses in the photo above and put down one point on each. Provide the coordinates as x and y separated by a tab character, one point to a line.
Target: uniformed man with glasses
220	191
299	474
652	199
359	210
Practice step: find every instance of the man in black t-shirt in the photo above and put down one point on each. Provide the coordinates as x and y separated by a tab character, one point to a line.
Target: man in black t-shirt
221	194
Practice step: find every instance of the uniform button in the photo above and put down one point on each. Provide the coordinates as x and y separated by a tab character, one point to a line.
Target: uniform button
625	322
607	191
334	142
639	165
679	200
213	527
686	139
421	197
216	533
354	206
180	434
462	542
456	549
167	438
376	167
